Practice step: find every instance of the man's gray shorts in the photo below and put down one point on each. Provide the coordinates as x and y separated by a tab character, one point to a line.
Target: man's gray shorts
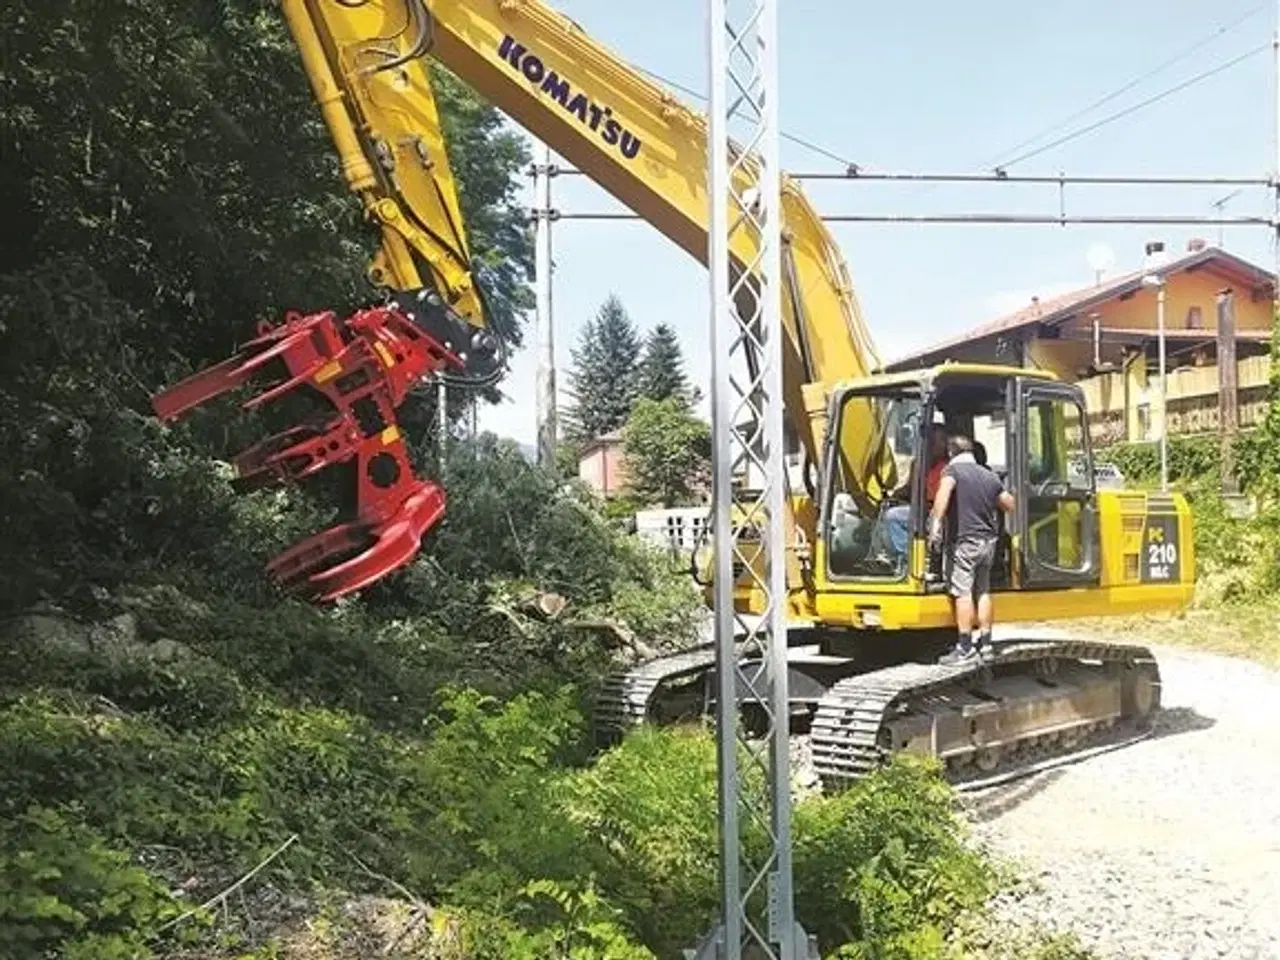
971	567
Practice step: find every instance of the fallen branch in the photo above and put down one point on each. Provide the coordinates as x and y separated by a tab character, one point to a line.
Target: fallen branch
422	910
497	610
620	632
399	887
222	897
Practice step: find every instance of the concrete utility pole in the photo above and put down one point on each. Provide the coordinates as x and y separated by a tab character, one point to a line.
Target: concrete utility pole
757	909
1228	390
1155	277
546	375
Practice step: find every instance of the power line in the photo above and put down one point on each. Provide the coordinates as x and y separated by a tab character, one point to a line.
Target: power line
1057	219
854	175
1141	78
1061	178
799	141
851	169
1119	114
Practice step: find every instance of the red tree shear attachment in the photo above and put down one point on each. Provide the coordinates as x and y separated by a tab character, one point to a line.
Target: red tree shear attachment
363	367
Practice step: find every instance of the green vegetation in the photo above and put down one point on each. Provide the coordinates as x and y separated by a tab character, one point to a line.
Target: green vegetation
640	389
604	374
668	453
479	813
621	383
662	374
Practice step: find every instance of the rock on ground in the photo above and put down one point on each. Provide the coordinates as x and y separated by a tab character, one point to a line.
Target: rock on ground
1168	848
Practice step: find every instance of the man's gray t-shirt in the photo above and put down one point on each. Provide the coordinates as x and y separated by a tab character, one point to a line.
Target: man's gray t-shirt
975	499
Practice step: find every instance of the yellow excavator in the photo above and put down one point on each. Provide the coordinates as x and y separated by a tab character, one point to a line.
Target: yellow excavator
867	598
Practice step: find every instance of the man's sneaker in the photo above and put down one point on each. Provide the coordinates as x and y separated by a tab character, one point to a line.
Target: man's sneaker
984	647
960	653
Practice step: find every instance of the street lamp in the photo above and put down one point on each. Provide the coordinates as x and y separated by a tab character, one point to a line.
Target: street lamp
1157	280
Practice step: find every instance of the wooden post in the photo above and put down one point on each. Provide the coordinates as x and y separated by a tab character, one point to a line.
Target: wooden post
1228	390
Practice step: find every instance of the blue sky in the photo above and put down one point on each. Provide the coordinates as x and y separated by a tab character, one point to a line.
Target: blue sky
930	87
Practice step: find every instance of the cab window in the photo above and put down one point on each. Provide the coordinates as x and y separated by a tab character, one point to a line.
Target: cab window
866	507
1055	452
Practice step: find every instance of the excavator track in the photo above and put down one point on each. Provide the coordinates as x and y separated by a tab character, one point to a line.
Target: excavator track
627	700
1026	699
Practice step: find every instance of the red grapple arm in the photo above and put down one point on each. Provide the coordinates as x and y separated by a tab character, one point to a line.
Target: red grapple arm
364	368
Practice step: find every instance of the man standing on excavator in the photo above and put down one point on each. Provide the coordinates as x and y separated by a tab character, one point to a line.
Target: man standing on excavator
979	496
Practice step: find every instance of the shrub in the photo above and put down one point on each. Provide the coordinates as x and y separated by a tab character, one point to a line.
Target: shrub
480	815
63	888
1237	559
881	866
1190	458
554	921
650	806
884	865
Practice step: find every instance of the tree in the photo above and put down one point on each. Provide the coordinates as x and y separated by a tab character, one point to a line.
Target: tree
604	376
662	373
668	452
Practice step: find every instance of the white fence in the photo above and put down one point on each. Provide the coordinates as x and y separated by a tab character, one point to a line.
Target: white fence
676	530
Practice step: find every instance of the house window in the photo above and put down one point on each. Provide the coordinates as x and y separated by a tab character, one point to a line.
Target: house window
1195	321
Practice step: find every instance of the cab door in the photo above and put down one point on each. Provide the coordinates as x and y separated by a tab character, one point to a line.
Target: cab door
1056	515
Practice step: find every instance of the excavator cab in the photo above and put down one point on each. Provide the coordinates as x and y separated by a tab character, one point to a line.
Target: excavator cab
886	543
872	565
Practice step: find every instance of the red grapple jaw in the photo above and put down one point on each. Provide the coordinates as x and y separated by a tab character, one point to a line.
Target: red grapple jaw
364	368
309	568
303	343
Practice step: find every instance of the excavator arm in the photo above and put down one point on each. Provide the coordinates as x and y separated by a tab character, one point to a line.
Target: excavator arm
641	144
367	68
646	148
368	63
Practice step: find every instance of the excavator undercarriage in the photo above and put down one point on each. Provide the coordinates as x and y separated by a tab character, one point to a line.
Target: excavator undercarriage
1029	699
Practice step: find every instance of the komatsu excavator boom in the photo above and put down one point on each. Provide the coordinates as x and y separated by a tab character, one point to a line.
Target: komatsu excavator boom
869	611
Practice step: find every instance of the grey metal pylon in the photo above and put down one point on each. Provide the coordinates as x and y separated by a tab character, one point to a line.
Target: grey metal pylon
745	270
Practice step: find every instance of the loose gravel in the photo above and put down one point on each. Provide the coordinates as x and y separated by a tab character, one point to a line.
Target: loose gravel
1167	849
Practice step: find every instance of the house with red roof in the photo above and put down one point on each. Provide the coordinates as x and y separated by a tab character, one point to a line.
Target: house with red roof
1105	337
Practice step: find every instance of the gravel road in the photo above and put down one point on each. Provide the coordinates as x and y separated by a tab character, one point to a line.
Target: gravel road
1168	849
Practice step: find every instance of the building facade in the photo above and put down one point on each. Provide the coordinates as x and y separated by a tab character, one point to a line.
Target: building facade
1217	319
602	465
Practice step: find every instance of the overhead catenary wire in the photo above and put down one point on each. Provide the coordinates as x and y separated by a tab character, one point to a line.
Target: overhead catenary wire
798	141
852	170
985	218
1204	41
1142	104
857	174
1058	178
689	91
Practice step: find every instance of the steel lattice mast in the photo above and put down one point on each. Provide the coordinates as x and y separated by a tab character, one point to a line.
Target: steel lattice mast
757	899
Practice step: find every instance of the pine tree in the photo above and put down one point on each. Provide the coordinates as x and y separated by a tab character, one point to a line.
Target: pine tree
604	376
662	373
